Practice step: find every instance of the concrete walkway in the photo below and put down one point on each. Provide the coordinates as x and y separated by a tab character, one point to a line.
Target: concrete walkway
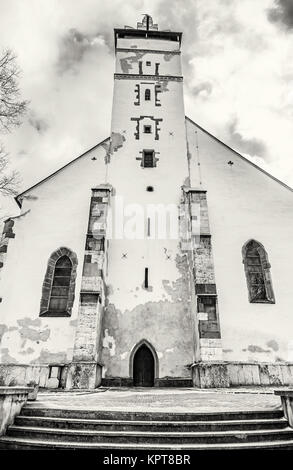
161	399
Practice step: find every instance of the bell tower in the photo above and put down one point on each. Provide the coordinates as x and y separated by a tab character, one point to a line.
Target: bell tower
150	284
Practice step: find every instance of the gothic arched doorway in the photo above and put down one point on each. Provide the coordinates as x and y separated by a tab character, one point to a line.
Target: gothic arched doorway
143	367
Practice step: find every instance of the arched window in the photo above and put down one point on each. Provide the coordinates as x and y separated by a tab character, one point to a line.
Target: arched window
59	284
257	270
147	95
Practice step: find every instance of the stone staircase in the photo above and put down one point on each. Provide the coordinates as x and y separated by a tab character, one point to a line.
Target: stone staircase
47	428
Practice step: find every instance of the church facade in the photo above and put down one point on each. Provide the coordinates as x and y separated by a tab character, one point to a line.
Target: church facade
159	257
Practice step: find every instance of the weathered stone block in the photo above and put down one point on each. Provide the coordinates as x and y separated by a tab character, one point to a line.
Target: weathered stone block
84	375
210	375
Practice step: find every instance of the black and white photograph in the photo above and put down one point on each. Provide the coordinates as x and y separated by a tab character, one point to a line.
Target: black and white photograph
146	224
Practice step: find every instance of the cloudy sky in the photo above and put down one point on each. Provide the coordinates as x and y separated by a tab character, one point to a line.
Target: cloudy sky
237	63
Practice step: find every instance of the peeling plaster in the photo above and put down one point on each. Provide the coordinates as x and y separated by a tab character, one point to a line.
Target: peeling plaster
109	343
47	357
173	331
6	358
127	62
116	142
26	332
163	85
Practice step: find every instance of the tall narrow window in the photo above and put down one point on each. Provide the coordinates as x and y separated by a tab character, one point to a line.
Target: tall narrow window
257	270
140	68
147	94
59	284
148	227
146	278
148	159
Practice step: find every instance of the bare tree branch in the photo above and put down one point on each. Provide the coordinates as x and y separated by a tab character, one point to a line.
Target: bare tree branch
9	180
11	107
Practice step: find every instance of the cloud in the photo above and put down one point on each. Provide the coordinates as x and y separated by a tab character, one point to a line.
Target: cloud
74	45
38	123
282	13
204	89
252	146
238	75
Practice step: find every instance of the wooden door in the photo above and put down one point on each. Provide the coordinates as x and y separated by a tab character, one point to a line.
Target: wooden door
143	367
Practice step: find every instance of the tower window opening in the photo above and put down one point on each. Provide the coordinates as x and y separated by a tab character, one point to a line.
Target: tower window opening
148	159
150	189
148	63
147	129
146	277
147	94
149	227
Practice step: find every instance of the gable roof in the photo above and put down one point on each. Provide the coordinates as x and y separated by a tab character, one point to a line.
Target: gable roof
19	196
239	155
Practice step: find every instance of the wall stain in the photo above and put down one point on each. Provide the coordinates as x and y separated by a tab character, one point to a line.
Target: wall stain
3	330
168	56
127	62
28	333
6	358
257	349
273	345
27	351
50	357
163	85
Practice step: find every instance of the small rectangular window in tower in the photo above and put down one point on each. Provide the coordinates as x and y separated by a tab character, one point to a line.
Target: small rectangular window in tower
148	63
147	95
148	159
147	129
157	69
140	68
149	227
146	277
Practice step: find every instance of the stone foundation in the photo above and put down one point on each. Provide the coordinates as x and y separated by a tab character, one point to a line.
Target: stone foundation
88	375
161	382
13	375
84	375
232	374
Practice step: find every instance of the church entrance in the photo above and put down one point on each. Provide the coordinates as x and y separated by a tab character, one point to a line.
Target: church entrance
143	367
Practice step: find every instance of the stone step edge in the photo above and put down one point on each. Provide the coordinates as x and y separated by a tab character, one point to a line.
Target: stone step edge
209	434
166	414
151	423
78	445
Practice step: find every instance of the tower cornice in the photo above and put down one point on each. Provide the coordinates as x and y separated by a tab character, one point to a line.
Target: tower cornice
142	33
157	78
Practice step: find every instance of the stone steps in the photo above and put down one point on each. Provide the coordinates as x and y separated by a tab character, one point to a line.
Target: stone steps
7	442
149	437
149	416
39	428
163	426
